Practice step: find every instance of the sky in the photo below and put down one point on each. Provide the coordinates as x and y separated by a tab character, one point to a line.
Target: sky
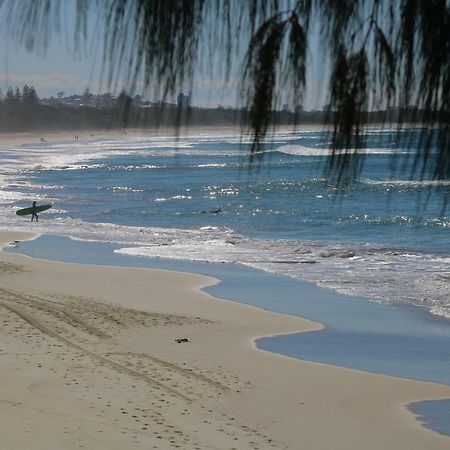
59	68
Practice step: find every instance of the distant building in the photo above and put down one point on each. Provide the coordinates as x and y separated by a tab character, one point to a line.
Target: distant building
299	109
137	100
104	100
285	108
183	101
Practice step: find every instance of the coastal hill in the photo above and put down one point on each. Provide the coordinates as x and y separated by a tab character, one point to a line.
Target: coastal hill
24	111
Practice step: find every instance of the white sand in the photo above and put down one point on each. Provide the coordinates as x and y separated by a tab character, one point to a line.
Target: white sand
88	359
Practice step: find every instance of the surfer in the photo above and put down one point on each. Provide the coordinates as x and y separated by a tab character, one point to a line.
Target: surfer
213	211
34	212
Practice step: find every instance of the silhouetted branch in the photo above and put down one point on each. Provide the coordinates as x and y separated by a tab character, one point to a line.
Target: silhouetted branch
381	53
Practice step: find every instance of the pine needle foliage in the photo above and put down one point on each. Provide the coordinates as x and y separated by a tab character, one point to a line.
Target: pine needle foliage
382	53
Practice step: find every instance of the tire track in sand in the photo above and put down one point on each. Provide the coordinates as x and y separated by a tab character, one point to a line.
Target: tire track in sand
44	329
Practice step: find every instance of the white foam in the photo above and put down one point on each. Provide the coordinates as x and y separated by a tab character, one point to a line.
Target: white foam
10	196
406	183
301	150
364	269
390	276
420	279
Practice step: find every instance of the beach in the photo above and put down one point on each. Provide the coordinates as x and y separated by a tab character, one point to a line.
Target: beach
251	257
89	359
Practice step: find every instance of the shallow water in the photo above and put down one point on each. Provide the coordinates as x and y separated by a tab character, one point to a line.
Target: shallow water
433	414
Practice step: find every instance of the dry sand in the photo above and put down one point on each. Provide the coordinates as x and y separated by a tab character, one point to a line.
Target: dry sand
34	137
88	359
8	139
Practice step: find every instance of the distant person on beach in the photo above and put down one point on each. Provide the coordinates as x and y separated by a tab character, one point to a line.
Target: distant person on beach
34	212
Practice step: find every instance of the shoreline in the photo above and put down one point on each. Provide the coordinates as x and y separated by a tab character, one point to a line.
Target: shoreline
360	408
22	138
32	137
85	134
355	319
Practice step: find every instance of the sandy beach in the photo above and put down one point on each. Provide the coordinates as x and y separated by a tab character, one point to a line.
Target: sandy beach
49	136
225	225
34	137
89	359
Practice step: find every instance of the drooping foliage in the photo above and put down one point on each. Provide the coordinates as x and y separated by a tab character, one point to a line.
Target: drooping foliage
379	54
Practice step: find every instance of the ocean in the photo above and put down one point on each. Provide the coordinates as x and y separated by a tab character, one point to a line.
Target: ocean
156	197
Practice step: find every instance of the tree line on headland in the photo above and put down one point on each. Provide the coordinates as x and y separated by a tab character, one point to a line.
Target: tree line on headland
26	96
22	110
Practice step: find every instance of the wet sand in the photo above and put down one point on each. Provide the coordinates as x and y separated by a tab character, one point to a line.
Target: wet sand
89	359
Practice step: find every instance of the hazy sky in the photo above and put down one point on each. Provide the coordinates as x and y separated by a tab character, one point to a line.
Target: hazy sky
58	69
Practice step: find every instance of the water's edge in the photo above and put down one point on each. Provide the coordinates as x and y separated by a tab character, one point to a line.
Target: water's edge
354	326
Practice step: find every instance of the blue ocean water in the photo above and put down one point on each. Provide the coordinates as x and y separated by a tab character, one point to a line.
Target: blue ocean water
284	195
156	197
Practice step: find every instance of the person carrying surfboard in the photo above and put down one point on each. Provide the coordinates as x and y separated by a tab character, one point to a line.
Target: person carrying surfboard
34	212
